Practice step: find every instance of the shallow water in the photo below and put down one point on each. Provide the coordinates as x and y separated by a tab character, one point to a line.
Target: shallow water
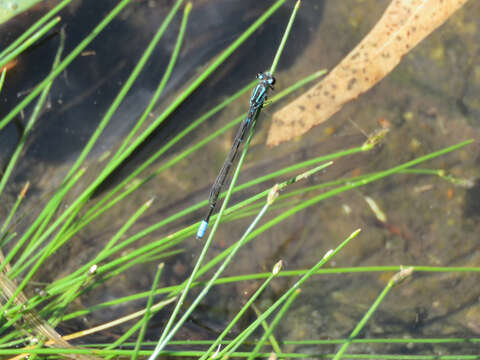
430	100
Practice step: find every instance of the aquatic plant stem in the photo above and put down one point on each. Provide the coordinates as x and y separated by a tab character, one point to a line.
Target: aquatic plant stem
286	33
285	273
81	276
29	42
125	88
350	184
270	328
226	331
271	198
2	78
198	81
45	254
34	27
70	57
397	278
229	349
147	315
85	195
65	282
12	212
165	339
257	101
167	334
101	207
33	118
163	81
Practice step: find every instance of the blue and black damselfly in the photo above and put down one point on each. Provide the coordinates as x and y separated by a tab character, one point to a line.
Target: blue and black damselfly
258	98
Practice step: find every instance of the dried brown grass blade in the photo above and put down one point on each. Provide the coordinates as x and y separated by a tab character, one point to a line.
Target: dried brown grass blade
30	320
403	25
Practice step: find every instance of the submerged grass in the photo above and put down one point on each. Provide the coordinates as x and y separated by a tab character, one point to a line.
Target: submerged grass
28	322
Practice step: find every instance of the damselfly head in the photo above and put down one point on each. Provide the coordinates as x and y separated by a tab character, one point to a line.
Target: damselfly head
270	80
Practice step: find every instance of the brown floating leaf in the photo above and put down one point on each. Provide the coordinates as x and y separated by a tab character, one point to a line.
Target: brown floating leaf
403	25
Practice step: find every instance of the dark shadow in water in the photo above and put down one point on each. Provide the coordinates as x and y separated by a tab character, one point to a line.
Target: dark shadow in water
81	95
238	70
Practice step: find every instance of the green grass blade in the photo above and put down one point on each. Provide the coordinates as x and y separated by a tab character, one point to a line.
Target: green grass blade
129	333
270	328
34	27
62	352
28	277
29	42
245	307
153	256
163	81
167	334
2	78
286	33
40	223
260	276
361	181
196	83
102	176
393	281
229	349
13	211
70	57
105	252
147	315
253	182
164	339
125	88
6	238
98	209
33	118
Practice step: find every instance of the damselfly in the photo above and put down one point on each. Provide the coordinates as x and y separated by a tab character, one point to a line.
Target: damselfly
258	98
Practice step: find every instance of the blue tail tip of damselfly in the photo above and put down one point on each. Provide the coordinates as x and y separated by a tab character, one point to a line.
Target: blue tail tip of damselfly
202	229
